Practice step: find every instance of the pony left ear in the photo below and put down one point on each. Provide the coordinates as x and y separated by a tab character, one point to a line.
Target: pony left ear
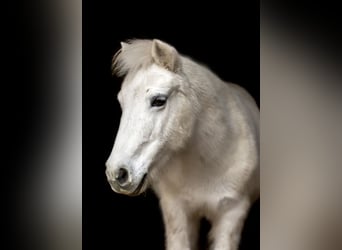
165	55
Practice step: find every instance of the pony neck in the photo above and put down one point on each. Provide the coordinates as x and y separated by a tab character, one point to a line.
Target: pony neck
214	133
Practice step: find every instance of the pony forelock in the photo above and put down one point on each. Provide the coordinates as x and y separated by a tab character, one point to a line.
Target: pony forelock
134	55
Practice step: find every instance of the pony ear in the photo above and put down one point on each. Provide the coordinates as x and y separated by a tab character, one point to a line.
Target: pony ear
165	55
123	45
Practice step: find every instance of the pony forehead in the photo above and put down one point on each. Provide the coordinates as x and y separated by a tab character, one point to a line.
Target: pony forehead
153	75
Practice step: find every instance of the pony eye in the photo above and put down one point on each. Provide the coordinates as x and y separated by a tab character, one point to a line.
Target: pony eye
158	101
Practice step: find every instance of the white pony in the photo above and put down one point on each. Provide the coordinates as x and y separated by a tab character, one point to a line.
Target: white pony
191	137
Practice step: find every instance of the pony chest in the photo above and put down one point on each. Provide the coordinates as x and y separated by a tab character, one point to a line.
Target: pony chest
198	192
197	187
200	202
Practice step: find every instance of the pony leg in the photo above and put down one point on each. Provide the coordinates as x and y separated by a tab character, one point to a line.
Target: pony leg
181	229
227	226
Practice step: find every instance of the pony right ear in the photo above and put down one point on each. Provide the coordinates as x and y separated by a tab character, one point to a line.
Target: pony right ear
123	45
165	55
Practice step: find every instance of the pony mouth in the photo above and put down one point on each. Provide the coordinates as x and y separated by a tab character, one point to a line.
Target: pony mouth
141	187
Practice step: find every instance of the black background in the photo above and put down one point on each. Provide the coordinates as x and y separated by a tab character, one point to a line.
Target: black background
225	38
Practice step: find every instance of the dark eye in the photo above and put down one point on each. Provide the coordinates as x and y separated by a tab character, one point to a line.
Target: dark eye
158	101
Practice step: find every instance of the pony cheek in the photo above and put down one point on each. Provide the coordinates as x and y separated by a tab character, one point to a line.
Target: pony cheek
180	131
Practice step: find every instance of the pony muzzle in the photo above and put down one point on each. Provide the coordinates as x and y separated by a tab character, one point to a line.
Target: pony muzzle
121	181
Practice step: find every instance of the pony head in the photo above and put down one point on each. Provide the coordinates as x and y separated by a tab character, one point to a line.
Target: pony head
158	114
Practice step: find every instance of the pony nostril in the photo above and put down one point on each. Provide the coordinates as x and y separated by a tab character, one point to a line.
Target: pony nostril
122	176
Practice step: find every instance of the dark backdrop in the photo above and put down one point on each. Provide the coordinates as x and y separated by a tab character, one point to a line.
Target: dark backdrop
226	38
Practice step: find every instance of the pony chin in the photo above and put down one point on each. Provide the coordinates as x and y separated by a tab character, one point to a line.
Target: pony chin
143	188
